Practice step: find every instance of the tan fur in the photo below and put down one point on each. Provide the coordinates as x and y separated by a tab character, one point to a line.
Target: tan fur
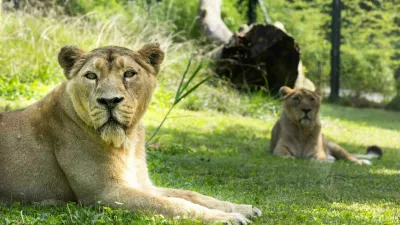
298	134
67	146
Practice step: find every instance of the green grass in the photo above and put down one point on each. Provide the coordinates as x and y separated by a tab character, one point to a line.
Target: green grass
226	156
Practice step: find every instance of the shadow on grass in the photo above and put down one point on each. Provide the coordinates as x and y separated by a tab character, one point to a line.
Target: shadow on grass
231	139
237	140
370	117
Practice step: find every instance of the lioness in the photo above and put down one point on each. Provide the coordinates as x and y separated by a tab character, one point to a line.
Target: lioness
84	141
298	131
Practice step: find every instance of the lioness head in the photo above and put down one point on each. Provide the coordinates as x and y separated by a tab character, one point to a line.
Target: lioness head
111	87
301	106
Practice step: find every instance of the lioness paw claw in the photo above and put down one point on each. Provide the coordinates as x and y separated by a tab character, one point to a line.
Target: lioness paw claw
364	162
218	216
256	212
247	210
236	219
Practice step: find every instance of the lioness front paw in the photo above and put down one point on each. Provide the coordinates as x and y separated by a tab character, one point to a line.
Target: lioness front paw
363	162
247	210
256	212
218	216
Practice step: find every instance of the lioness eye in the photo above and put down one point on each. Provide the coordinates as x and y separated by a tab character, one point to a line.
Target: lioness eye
312	99
130	73
297	99
91	76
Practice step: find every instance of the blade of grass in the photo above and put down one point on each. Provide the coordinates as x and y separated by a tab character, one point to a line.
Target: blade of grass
199	67
159	126
194	88
178	92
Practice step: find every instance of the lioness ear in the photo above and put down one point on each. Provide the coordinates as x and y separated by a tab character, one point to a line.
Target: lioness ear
67	57
153	55
284	91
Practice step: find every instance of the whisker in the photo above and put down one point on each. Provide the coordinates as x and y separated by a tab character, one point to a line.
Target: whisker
124	111
94	114
126	106
125	117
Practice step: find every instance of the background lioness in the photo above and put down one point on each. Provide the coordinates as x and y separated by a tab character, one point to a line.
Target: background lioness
298	131
84	141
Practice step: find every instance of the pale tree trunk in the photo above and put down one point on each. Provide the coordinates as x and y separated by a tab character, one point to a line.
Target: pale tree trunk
211	23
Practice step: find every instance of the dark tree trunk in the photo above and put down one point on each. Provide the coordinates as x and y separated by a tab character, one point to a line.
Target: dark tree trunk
335	52
264	56
16	4
252	12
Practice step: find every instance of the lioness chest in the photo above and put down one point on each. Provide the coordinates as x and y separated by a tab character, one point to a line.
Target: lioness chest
28	168
303	144
33	165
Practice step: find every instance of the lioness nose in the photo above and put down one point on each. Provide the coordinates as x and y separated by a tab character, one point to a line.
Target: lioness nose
110	102
306	110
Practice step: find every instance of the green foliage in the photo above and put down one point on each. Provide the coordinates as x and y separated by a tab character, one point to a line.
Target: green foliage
368	41
369	36
76	7
367	72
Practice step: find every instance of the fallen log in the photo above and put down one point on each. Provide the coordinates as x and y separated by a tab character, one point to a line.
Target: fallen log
262	56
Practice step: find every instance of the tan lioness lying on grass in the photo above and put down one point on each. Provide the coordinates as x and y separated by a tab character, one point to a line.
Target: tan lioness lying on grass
298	131
85	142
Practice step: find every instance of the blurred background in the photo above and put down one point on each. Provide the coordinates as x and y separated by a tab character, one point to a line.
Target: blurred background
32	32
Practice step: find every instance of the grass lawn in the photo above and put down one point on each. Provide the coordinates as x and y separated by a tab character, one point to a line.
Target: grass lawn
226	156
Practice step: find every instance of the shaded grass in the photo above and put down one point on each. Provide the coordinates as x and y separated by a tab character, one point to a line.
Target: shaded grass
226	156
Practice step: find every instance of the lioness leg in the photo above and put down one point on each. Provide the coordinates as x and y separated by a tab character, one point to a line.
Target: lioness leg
210	202
340	153
320	156
127	197
282	150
